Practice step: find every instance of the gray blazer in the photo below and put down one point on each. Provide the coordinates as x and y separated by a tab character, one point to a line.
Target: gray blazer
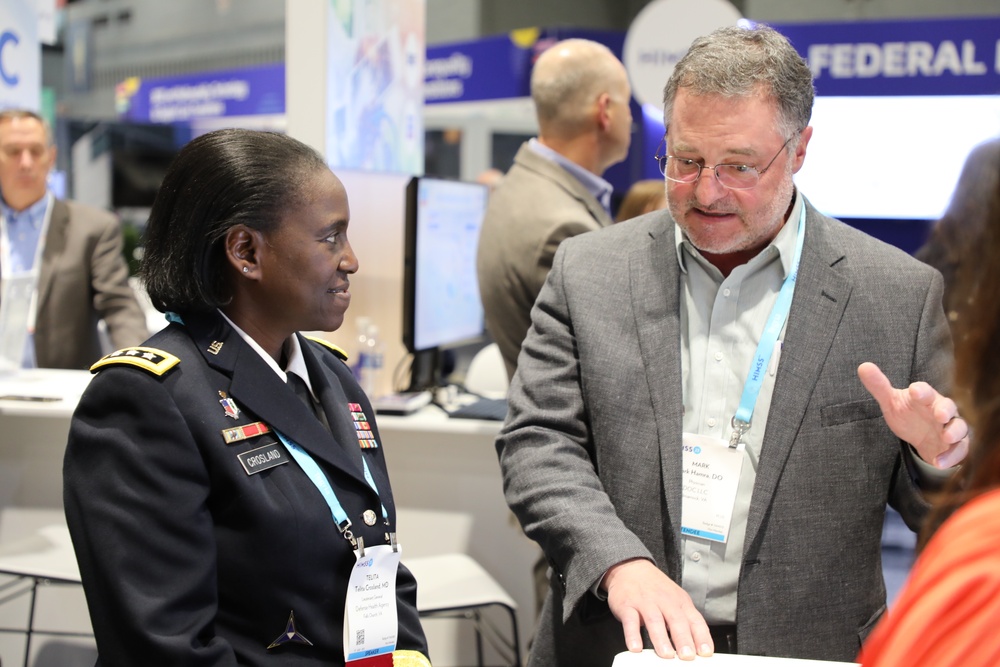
537	205
591	450
83	278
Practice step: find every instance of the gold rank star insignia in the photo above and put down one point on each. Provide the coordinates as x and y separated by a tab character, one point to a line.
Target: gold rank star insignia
290	634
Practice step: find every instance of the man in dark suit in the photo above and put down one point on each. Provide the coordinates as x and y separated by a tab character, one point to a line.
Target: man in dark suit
695	437
70	256
554	190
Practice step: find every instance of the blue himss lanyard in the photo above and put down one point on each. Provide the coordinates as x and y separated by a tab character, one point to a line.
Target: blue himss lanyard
765	347
319	480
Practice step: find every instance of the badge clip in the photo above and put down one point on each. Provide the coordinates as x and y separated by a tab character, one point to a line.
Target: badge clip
345	530
740	428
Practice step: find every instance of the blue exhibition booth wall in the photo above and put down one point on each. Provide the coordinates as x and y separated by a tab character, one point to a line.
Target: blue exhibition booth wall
248	91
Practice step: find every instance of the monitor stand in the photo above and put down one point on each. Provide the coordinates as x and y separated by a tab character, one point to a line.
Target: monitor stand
425	371
431	369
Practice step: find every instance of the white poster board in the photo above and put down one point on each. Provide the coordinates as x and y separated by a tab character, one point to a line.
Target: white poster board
375	77
20	55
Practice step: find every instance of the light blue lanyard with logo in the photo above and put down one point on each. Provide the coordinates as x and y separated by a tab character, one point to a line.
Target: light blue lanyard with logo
322	484
768	339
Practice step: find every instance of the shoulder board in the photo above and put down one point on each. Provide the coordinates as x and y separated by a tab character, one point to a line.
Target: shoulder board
325	343
150	359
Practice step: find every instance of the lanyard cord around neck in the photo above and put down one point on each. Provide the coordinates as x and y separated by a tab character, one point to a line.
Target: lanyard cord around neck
765	347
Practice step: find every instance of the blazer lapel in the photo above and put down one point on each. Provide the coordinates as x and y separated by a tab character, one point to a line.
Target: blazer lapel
654	285
55	245
334	402
821	294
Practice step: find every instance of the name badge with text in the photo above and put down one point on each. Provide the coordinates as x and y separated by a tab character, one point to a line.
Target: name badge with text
370	623
710	481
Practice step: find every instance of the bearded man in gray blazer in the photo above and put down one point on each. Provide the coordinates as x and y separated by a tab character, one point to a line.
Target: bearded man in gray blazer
696	437
71	252
554	190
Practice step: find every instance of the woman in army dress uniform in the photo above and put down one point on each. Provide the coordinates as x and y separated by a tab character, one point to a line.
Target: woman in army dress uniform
225	484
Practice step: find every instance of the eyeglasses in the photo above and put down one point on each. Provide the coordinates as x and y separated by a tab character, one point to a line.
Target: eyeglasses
733	176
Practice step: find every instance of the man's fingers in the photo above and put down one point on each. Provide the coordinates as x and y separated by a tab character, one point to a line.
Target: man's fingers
953	456
680	633
641	596
657	631
955	430
632	627
702	637
877	384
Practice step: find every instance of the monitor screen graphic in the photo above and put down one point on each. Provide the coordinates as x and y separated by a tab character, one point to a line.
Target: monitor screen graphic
441	301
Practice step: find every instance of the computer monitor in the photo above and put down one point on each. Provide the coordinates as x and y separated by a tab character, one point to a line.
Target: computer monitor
441	305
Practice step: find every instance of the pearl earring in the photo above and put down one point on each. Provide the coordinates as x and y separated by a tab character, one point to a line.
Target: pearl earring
246	269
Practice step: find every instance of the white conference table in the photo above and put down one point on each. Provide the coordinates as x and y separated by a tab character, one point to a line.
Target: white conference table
33	537
35	410
649	659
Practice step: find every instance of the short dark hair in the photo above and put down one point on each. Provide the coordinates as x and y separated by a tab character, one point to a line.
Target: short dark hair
216	181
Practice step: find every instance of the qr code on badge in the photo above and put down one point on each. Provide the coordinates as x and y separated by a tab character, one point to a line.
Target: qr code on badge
359	637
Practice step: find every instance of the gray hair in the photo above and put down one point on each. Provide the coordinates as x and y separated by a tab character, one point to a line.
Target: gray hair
735	62
11	114
567	79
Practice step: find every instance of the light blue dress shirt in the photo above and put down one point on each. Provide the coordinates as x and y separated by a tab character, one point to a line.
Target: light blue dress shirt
594	184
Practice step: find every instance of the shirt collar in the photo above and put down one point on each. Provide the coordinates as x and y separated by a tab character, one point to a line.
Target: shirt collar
33	214
594	184
296	362
783	243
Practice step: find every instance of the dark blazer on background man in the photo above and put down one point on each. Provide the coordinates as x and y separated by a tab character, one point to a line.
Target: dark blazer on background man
591	451
83	278
225	556
537	205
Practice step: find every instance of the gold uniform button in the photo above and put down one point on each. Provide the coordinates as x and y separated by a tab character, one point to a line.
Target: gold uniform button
369	517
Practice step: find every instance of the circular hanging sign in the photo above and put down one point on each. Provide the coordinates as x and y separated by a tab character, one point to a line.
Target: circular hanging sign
660	35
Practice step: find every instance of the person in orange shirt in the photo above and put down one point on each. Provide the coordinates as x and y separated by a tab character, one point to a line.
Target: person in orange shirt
948	613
